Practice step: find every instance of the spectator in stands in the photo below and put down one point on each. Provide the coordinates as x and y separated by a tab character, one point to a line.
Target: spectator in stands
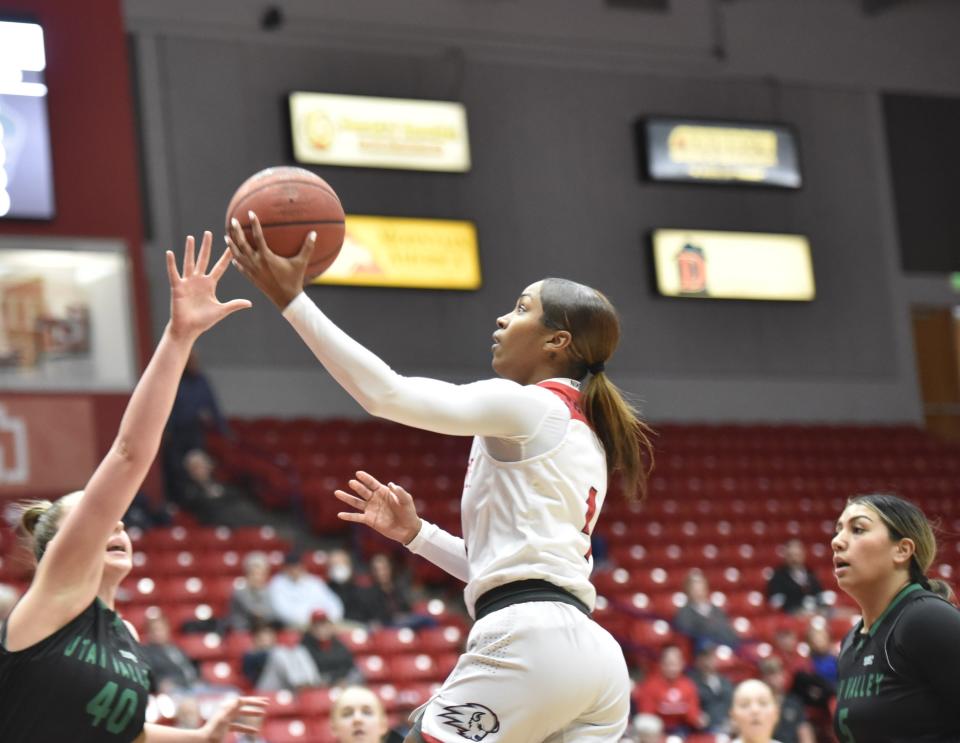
172	669
333	659
145	514
270	666
263	639
358	716
670	695
786	649
792	725
250	603
295	594
201	493
793	588
714	690
754	712
816	683
195	409
394	599
8	597
699	619
360	599
823	654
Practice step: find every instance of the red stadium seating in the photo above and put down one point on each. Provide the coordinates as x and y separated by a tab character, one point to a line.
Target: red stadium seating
374	668
723	499
390	641
293	730
419	667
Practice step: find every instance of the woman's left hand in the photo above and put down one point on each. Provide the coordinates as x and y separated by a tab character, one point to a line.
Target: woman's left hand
241	714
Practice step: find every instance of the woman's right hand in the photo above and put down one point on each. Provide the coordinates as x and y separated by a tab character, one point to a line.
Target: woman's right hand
388	509
194	307
281	279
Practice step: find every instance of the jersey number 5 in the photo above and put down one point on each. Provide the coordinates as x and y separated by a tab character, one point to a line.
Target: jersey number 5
591	511
842	725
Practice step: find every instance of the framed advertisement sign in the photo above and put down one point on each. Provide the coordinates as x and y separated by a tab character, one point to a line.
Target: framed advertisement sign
66	320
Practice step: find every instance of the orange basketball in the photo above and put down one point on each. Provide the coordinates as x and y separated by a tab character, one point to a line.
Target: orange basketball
290	202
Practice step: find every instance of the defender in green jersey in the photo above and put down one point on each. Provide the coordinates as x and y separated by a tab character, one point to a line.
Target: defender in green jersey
898	668
70	669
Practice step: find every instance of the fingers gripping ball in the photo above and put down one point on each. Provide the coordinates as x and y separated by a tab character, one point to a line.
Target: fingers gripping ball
290	202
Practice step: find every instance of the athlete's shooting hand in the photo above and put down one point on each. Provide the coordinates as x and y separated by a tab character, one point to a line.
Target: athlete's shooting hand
388	509
194	306
240	714
281	279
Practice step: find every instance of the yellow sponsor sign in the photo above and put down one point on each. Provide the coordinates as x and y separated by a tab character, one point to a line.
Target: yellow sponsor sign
362	131
705	146
733	265
712	152
403	252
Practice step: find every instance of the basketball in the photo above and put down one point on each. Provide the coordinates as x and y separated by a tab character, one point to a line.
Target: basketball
289	202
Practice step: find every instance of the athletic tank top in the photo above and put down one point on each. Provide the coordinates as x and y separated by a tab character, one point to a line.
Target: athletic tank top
533	518
88	682
885	692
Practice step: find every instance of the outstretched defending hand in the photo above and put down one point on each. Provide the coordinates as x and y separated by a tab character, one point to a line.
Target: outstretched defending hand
281	279
194	306
241	714
388	509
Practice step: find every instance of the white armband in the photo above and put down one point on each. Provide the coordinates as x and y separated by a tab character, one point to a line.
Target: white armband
440	547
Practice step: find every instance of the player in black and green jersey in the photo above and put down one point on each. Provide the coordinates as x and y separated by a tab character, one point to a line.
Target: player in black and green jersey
899	668
70	669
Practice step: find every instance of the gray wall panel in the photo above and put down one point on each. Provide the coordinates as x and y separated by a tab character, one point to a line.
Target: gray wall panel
554	191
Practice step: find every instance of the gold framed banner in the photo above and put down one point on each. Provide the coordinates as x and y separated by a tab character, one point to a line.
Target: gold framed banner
724	153
405	252
704	264
362	131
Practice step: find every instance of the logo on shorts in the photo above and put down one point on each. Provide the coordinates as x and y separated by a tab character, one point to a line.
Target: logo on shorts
473	721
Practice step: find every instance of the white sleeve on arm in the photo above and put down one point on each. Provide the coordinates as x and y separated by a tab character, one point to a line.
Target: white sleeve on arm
440	547
493	407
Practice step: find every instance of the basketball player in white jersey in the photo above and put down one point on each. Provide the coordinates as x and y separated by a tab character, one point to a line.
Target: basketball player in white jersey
536	667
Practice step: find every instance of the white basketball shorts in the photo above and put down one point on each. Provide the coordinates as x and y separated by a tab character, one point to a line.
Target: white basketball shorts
536	671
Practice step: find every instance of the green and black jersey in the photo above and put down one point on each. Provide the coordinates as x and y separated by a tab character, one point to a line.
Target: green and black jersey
900	682
86	683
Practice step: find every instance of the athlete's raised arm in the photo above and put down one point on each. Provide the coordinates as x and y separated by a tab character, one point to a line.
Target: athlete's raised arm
493	407
69	575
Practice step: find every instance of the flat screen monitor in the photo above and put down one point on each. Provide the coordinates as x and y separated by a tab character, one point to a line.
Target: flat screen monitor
26	173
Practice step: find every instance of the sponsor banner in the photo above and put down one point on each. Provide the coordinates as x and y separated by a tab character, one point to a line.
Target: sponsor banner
403	252
687	150
369	132
733	265
47	444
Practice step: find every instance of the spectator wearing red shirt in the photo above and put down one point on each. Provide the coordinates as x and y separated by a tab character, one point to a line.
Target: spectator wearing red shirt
670	695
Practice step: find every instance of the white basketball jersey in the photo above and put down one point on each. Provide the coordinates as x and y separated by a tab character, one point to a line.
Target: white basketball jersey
533	518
